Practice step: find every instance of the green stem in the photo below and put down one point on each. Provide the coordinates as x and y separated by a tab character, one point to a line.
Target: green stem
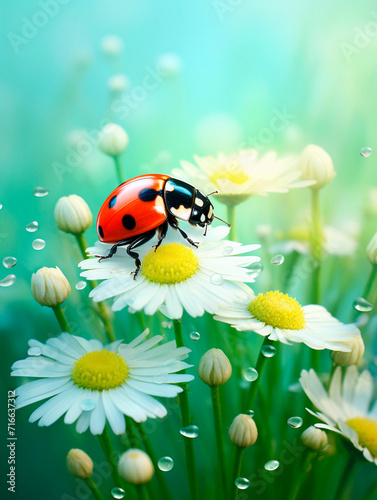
231	209
131	433
219	434
370	281
142	492
81	241
261	361
237	472
118	167
372	492
345	478
186	420
149	449
61	319
141	318
110	456
305	466
316	249
92	485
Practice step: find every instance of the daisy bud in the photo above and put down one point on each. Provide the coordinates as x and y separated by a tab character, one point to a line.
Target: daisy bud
372	250
314	438
315	164
112	45
243	432
135	466
49	286
356	344
113	139
72	214
79	463
214	368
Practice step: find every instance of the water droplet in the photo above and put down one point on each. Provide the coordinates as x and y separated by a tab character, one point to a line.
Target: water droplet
8	280
250	374
34	351
362	305
39	191
32	227
9	261
217	279
227	250
160	378
194	335
191	431
118	493
366	152
242	483
80	285
1	206
295	422
165	464
88	405
277	260
38	244
271	465
250	413
268	351
257	267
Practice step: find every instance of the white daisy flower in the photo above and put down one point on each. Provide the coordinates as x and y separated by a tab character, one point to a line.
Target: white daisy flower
238	176
91	383
282	318
346	408
176	277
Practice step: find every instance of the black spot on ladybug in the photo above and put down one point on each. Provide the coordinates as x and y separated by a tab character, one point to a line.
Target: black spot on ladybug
100	231
112	201
128	222
148	194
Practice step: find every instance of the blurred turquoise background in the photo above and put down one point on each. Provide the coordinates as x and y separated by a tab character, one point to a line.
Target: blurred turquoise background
240	68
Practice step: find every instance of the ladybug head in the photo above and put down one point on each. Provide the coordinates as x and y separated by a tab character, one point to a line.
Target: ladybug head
202	211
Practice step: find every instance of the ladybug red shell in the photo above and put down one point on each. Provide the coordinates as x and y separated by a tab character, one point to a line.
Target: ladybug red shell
139	207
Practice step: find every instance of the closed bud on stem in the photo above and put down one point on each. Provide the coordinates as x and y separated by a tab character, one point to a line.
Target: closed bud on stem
214	368
316	165
72	214
356	344
372	250
113	139
49	286
79	463
135	466
314	438
243	432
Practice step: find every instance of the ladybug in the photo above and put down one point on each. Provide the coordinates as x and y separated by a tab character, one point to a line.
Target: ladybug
144	205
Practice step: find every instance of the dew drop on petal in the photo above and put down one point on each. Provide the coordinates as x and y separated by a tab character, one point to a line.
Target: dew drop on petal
118	493
277	260
268	351
39	191
34	351
8	280
80	285
194	335
271	465
242	483
191	431
227	250
250	374
250	413
38	244
366	152
88	405
165	464
362	305
32	227
160	378
217	279
257	267
295	422
9	261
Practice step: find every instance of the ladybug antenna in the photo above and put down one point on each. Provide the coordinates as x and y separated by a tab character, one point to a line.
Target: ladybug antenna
213	192
227	223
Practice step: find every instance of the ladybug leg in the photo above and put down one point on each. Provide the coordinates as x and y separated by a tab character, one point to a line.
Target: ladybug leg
174	224
113	250
140	240
162	230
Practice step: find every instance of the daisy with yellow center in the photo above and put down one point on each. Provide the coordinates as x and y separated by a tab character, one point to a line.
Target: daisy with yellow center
279	317
238	176
175	277
90	383
346	408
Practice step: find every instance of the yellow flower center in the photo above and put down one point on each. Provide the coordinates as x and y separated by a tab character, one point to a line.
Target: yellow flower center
366	429
171	263
278	310
232	173
100	370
